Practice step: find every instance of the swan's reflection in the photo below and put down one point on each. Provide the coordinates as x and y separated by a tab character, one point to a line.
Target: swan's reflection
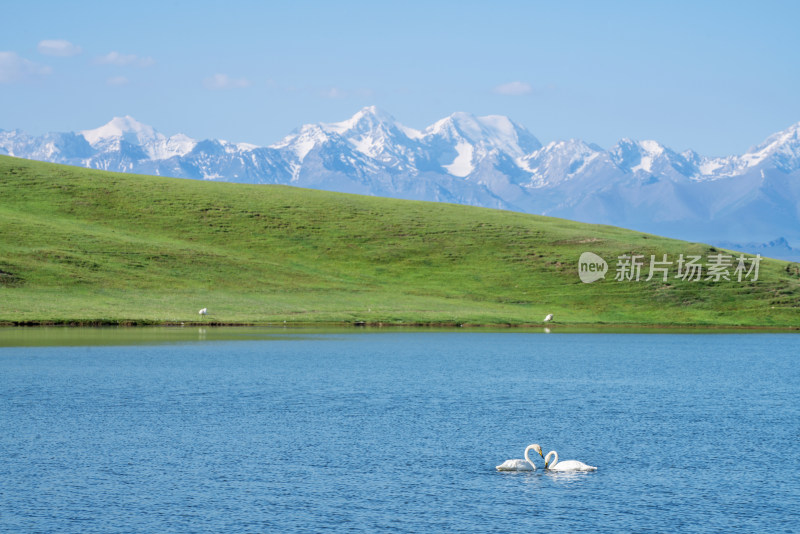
566	477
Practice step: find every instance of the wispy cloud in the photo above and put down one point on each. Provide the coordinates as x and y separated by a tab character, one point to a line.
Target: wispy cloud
117	81
16	69
513	89
223	81
333	93
115	58
337	92
58	48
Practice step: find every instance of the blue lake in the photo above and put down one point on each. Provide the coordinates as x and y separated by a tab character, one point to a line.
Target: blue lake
391	431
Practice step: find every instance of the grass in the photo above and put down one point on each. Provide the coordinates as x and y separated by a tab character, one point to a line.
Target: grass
82	246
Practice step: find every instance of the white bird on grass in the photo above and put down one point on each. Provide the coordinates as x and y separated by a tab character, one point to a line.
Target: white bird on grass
521	465
566	465
548	318
204	311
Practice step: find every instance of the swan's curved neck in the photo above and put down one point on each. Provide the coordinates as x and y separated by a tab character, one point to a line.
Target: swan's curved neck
547	462
527	458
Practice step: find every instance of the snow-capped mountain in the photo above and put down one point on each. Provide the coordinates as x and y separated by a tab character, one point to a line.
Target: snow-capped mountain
485	161
128	132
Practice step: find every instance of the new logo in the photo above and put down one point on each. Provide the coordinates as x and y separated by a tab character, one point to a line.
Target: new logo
591	267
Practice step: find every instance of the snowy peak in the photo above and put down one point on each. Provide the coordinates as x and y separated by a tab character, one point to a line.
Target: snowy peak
371	136
376	134
365	120
559	161
788	138
461	145
127	128
303	140
650	158
455	144
782	148
112	135
636	156
489	132
48	147
463	141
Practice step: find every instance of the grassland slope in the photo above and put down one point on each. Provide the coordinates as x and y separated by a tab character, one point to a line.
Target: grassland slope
86	246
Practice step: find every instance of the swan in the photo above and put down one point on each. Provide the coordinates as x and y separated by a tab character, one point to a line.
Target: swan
521	465
566	465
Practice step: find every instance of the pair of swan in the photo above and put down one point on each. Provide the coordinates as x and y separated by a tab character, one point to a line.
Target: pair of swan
528	465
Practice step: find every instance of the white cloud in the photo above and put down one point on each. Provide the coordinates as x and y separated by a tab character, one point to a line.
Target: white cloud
337	92
14	68
513	89
59	48
115	58
333	92
118	81
223	81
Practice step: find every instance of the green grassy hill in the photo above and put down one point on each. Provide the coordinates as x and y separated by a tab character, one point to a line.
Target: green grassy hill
89	246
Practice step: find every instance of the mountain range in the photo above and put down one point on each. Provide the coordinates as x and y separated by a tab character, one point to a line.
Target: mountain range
748	202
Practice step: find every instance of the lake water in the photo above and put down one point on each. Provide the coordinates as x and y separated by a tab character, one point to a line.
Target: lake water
391	431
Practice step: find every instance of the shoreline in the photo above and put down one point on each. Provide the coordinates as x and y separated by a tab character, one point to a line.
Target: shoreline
356	325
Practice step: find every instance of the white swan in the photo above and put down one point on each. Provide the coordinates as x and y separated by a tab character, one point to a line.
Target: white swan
566	465
521	465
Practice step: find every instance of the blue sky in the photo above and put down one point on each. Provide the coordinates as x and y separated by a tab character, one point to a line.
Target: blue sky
714	76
